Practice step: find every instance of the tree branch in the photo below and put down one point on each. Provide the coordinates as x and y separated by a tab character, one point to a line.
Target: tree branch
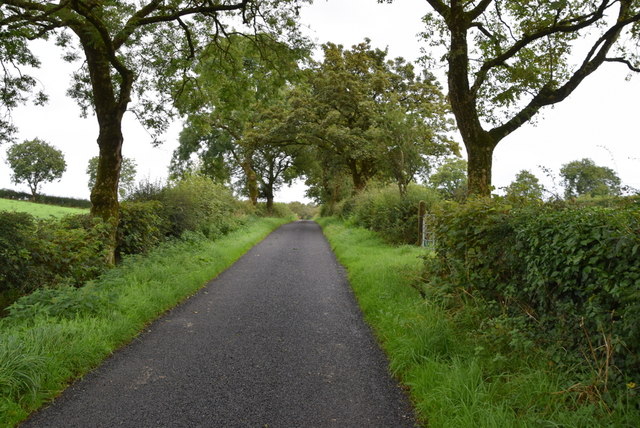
548	96
562	27
624	61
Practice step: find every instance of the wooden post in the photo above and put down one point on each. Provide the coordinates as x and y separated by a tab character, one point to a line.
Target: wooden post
422	211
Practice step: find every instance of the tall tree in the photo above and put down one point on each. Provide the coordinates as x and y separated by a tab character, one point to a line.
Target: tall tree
234	110
376	115
134	50
507	59
35	162
585	178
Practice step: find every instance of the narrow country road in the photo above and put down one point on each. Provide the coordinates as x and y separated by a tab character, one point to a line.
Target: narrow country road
277	340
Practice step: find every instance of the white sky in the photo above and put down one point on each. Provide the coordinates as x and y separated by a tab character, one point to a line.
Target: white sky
600	120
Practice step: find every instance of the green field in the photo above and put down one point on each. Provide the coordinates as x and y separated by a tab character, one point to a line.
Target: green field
38	210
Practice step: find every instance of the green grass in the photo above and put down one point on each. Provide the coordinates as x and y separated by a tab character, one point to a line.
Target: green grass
459	373
38	210
45	346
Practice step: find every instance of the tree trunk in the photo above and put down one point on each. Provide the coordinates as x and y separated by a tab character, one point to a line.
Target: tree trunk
110	105
359	181
477	141
252	182
480	160
270	202
104	196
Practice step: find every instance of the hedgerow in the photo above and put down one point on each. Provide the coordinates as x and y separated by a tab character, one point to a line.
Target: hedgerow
562	276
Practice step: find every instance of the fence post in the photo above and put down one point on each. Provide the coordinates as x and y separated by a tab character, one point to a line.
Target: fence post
422	211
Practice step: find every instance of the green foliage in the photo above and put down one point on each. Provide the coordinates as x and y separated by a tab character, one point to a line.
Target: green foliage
278	210
17	241
526	186
370	115
585	178
46	253
141	227
450	179
62	303
126	184
304	211
385	211
35	162
566	277
198	204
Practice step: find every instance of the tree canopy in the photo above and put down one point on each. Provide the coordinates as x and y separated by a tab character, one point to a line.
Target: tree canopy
133	56
509	59
525	186
371	116
232	108
585	178
35	162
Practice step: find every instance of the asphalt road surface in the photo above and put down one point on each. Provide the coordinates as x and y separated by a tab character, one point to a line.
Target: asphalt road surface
277	340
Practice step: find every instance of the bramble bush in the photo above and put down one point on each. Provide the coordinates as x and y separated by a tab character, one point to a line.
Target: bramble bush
567	274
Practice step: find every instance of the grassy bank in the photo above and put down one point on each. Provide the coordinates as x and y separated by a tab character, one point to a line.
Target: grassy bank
55	336
461	371
38	210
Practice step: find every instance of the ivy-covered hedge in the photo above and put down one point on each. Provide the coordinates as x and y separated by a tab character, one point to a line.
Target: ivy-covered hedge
569	273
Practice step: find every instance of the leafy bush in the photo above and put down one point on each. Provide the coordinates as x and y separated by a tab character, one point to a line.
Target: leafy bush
141	227
17	242
49	252
385	211
198	204
570	275
72	250
62	302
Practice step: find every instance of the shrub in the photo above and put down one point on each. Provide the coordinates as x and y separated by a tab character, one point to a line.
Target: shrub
47	253
72	250
570	275
17	242
141	227
198	204
387	212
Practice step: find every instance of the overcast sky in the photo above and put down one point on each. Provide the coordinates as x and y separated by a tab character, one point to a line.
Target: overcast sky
600	120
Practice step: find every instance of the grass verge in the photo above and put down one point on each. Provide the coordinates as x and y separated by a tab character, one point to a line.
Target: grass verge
59	335
38	210
460	372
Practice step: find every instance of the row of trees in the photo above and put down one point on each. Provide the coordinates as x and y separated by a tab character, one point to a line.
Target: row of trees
340	123
506	61
36	162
